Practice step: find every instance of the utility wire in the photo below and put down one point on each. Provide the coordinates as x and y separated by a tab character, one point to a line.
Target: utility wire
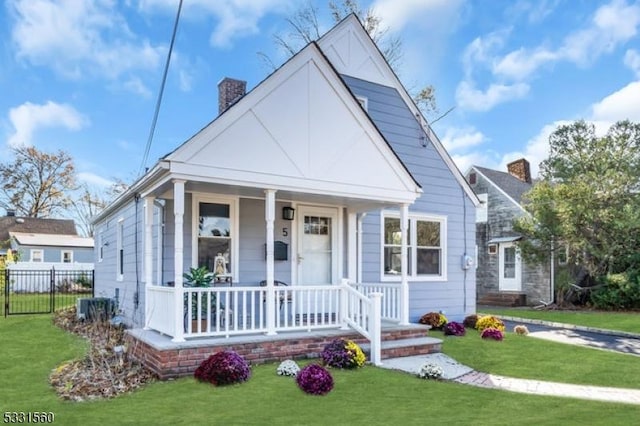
159	101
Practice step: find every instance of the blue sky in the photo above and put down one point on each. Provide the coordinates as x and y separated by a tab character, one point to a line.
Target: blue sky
83	76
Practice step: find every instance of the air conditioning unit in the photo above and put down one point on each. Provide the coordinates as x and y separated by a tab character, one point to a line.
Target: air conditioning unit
95	308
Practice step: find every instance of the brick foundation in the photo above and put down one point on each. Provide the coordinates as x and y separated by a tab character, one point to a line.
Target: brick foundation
183	360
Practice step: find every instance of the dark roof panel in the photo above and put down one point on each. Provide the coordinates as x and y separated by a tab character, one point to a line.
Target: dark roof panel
511	185
35	225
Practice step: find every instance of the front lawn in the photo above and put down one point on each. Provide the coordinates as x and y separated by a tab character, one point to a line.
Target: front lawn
32	346
530	358
621	321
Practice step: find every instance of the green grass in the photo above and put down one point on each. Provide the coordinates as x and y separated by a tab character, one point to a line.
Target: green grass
531	358
24	303
31	347
621	321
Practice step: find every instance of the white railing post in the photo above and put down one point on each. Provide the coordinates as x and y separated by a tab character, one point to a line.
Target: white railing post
178	259
148	256
375	328
344	296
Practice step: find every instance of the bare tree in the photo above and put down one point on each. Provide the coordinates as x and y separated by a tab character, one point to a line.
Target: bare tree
88	204
36	183
305	28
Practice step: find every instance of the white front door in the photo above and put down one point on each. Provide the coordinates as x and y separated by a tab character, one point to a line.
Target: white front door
509	268
317	245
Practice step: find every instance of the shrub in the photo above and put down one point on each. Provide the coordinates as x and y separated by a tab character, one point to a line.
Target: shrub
430	371
470	321
343	353
454	329
521	330
492	333
619	291
288	368
489	321
435	319
223	368
315	380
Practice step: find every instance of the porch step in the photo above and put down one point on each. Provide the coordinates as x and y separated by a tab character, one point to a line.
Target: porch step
406	347
504	298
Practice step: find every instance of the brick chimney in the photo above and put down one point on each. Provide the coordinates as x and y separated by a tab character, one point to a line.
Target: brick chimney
520	169
229	92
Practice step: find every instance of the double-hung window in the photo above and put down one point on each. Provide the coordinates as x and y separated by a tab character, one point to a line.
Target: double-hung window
426	247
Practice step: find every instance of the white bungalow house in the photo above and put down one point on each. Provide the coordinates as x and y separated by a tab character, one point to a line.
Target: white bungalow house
326	177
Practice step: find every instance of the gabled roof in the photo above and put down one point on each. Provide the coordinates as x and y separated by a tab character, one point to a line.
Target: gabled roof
35	225
51	240
352	52
510	185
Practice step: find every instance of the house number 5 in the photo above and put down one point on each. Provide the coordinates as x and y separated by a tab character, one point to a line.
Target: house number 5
285	232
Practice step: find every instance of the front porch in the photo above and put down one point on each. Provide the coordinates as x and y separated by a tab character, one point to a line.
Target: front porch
169	359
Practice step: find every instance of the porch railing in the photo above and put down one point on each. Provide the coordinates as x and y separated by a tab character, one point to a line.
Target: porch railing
390	305
228	311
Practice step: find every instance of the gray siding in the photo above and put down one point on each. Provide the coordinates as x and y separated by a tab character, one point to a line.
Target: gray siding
501	211
442	195
54	254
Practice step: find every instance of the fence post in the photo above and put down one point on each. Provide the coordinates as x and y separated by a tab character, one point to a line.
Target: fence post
375	328
52	290
344	295
6	292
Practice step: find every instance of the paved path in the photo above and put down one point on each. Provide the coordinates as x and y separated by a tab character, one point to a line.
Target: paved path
622	342
537	387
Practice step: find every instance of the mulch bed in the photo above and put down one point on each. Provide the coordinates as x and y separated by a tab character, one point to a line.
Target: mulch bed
106	371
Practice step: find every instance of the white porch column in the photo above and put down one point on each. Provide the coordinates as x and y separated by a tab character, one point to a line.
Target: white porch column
404	265
178	259
148	255
269	217
352	247
359	253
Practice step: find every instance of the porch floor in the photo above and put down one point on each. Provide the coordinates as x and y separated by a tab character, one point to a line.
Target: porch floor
173	359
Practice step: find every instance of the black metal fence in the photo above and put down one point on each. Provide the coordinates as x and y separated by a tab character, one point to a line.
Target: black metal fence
44	291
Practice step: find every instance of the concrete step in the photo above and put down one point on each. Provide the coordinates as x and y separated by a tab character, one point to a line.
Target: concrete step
510	299
406	347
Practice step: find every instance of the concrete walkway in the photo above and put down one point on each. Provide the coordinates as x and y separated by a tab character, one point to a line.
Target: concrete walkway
459	373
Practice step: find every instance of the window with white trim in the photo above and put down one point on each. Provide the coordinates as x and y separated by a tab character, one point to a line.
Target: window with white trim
215	234
37	255
100	246
66	256
120	250
426	244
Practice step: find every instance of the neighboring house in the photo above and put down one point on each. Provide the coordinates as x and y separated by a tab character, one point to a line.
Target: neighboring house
39	240
308	179
502	277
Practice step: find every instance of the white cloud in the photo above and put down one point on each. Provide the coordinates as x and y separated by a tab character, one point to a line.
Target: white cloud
77	38
94	180
482	51
521	63
396	14
28	118
135	85
234	18
470	98
456	138
620	105
476	158
632	60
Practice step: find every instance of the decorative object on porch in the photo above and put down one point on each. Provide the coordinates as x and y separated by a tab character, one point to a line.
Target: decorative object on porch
489	321
289	368
430	371
436	320
223	368
470	321
454	329
521	330
288	213
343	353
314	379
220	265
492	333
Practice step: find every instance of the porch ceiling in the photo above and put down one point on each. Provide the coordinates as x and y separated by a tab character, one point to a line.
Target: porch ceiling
357	204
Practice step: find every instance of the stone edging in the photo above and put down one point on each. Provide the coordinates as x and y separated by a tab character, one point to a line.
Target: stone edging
570	326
